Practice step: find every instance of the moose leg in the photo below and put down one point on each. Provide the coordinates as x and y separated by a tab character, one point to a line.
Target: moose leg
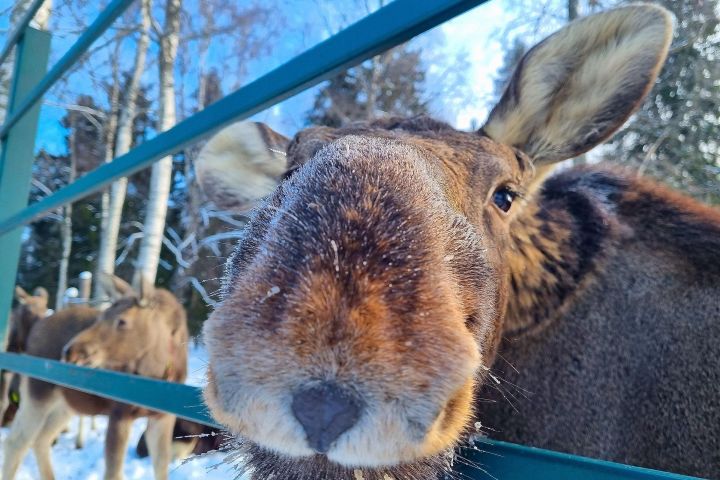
28	422
158	437
5	380
116	441
183	449
54	423
80	438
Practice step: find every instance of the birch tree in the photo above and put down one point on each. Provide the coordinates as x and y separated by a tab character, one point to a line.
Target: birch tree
110	132
156	211
66	225
39	21
123	141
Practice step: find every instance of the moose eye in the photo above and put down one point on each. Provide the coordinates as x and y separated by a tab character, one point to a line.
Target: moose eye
503	198
121	324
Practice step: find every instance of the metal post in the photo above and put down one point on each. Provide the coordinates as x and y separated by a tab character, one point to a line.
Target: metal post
16	157
84	286
70	296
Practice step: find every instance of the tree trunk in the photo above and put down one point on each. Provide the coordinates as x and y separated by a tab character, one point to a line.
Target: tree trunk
66	226
40	21
110	132
154	224
572	10
191	214
123	142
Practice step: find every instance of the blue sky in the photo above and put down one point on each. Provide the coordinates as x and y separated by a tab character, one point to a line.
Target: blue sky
478	35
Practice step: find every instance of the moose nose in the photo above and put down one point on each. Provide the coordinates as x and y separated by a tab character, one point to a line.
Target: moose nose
325	411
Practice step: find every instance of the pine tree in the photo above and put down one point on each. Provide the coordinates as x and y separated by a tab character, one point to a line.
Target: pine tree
674	136
388	84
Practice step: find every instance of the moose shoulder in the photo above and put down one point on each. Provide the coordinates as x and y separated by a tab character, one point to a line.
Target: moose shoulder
394	268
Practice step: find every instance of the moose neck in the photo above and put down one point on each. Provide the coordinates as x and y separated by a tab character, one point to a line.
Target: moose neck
559	239
576	219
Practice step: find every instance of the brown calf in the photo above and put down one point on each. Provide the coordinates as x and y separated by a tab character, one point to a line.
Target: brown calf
143	333
29	309
365	305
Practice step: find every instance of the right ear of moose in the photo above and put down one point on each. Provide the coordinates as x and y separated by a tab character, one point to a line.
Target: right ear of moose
241	164
21	295
578	86
41	292
116	287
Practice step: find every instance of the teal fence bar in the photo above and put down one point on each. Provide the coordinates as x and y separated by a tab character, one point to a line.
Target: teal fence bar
16	156
181	400
392	25
14	37
494	460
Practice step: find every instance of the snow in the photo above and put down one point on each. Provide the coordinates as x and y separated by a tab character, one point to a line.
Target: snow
88	463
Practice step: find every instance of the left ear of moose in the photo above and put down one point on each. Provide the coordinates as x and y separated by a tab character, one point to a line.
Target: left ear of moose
116	287
577	87
41	294
241	164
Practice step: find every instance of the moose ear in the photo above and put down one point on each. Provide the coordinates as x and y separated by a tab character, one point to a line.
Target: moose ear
41	295
578	86
40	292
116	287
21	295
242	164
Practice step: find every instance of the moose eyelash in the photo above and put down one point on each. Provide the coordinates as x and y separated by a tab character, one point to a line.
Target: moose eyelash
516	191
519	193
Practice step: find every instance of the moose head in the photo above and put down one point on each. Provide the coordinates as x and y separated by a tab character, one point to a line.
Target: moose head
30	308
365	301
142	332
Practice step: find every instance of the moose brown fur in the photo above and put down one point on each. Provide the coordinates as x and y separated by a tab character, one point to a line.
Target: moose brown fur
394	262
143	333
29	309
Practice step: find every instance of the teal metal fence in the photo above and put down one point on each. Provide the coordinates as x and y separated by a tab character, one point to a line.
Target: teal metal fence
391	25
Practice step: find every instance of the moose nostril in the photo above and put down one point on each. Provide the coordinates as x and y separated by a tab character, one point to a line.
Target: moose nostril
325	411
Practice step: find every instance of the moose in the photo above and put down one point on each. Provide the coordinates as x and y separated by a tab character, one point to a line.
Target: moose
143	332
394	274
29	309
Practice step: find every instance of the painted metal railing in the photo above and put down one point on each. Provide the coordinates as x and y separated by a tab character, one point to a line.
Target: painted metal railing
392	25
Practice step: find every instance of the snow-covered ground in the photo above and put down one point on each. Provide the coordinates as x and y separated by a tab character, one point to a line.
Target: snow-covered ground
89	464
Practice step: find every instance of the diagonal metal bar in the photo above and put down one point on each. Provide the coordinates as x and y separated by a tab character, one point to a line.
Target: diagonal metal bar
182	400
390	26
485	459
20	29
16	153
93	32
